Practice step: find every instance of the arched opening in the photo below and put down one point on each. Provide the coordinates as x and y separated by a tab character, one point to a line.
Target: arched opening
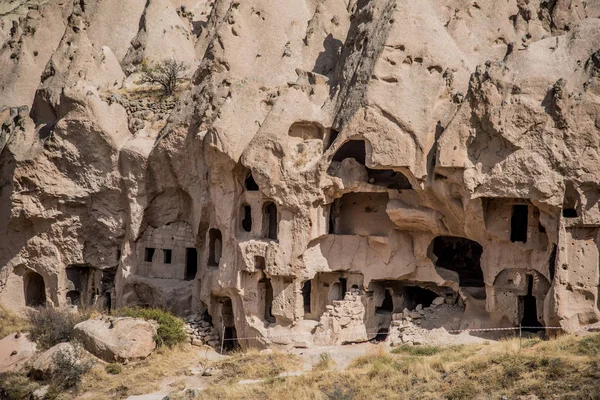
306	289
306	130
528	309
352	149
191	263
387	305
74	297
35	290
215	244
270	221
268	299
460	255
246	218
250	184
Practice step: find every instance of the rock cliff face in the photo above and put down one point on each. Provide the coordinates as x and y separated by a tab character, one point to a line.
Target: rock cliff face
328	163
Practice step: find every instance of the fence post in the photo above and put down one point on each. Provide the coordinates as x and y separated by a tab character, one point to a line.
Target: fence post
520	337
222	336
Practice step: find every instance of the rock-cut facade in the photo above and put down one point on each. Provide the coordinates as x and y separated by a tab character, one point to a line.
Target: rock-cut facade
327	165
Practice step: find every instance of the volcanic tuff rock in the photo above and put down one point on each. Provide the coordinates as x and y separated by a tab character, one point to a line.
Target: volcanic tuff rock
326	165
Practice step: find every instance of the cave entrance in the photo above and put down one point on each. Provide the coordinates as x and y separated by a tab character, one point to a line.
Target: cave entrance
415	295
35	290
306	291
250	184
74	297
215	244
519	223
528	309
270	221
460	255
387	305
352	149
389	178
246	218
191	263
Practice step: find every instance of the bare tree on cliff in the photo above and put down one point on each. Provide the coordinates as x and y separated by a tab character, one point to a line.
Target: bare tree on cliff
166	73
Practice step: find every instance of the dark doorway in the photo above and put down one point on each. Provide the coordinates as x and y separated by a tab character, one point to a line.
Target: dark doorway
518	223
528	305
149	254
191	263
388	178
331	136
306	289
382	335
268	311
74	297
247	218
343	287
462	256
352	149
270	221
228	322
215	245
35	290
250	184
414	295
387	305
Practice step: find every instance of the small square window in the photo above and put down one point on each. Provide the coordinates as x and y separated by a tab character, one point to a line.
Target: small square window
148	254
167	253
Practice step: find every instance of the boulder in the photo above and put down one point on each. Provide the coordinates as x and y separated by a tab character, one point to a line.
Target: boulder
117	339
15	350
438	301
44	365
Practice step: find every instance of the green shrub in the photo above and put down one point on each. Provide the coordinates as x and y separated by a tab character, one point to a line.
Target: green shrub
170	328
16	386
51	326
417	350
113	368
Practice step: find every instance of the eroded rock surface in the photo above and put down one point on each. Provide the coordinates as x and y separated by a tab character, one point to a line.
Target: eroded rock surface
117	339
327	165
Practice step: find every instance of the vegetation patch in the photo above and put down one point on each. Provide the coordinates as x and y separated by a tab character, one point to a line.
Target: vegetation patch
51	326
252	364
10	322
170	328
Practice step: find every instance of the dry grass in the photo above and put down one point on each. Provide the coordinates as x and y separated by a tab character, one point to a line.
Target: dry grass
251	364
563	368
10	322
140	377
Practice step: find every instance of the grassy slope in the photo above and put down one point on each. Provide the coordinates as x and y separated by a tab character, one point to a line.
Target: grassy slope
564	368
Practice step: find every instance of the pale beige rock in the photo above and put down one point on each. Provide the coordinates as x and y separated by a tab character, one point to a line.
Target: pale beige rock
117	339
44	365
15	351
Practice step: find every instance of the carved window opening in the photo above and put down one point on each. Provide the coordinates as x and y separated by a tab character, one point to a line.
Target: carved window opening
167	256
247	218
270	221
149	254
528	308
250	184
462	256
35	290
259	263
306	130
215	245
268	299
519	223
306	292
570	202
191	263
